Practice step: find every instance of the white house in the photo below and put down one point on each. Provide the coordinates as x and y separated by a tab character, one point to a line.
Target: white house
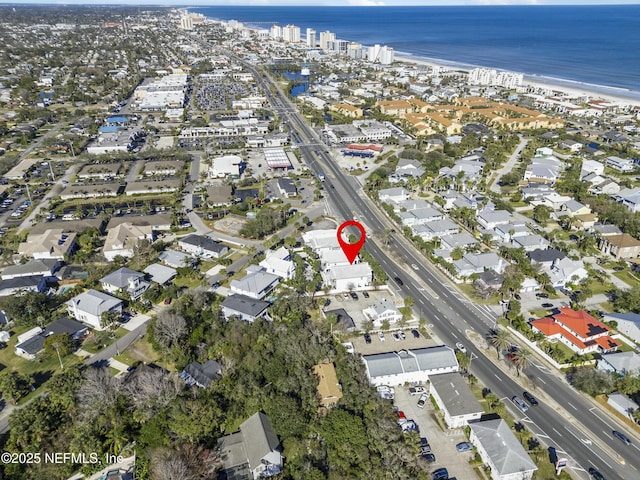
397	195
499	448
255	284
455	399
628	324
279	263
381	311
126	280
348	277
409	366
202	246
89	306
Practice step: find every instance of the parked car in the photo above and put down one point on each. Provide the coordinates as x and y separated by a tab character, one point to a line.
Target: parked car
425	449
327	302
416	391
521	404
461	347
354	295
402	335
542	295
622	437
464	447
415	333
423	441
167	301
530	398
367	338
410	426
381	336
365	294
423	399
401	417
596	474
440	474
428	457
396	337
547	305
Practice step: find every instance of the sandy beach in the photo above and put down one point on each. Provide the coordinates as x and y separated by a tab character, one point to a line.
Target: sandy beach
568	87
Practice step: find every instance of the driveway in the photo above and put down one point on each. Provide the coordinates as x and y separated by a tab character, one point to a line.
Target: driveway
443	444
508	166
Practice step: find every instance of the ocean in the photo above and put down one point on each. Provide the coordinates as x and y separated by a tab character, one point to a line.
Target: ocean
596	46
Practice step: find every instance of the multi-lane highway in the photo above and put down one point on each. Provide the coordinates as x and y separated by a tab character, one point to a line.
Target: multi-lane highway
576	429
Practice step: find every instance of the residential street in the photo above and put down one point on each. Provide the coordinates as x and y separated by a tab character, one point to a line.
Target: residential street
508	165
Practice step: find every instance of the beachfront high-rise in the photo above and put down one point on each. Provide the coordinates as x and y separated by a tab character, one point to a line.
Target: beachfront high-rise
311	38
380	54
186	23
327	38
488	76
291	33
276	32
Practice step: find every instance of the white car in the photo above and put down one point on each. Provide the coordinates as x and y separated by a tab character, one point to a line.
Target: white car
416	391
414	266
423	399
381	336
461	347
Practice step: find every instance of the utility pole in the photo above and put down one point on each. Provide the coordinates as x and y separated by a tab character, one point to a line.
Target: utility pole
55	345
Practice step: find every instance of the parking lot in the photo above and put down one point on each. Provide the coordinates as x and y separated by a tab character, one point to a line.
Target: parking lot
354	307
443	445
389	344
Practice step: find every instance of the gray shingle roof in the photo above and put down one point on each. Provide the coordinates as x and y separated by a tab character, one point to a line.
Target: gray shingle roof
203	242
502	446
246	305
455	393
94	302
32	267
120	278
259	438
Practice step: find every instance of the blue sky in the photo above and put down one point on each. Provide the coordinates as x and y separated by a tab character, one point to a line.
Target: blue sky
325	2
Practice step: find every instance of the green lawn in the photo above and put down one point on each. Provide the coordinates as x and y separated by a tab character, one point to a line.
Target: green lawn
41	369
628	278
469	290
188	282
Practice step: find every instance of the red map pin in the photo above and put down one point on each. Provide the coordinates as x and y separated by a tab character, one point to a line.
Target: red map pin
351	250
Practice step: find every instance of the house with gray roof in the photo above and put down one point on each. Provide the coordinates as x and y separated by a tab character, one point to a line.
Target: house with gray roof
89	306
628	324
462	240
202	246
409	168
530	242
391	195
622	404
409	366
31	347
501	451
175	259
31	283
491	219
455	399
252	453
344	321
622	363
201	375
437	228
382	311
287	187
545	257
126	280
479	262
160	274
257	284
245	308
36	266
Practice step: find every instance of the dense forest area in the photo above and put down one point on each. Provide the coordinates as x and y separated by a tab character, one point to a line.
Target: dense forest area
174	429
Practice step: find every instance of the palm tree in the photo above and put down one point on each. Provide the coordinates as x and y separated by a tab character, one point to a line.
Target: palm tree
521	358
499	338
386	236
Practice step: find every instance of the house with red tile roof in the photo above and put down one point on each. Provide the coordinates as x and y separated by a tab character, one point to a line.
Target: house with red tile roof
578	330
